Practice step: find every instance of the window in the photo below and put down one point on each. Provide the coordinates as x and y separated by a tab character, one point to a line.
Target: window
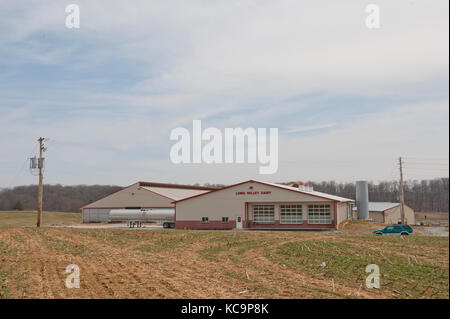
264	214
205	219
319	214
291	214
224	219
397	227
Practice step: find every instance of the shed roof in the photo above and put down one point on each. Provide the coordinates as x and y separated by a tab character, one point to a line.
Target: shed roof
175	193
313	192
169	185
380	206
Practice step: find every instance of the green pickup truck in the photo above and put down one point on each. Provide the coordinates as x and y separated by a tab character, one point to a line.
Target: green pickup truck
394	229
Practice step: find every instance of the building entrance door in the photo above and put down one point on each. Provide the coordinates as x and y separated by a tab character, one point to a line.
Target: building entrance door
238	222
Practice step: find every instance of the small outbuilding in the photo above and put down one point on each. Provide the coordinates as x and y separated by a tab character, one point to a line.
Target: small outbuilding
390	213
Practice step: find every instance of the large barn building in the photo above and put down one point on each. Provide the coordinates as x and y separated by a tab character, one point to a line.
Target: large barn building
260	205
140	195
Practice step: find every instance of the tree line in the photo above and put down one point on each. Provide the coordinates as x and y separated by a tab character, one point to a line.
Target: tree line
54	198
423	196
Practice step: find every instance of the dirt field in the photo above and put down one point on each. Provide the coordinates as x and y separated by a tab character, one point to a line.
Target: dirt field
122	263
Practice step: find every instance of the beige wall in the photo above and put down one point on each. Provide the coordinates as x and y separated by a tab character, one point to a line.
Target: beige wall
342	212
132	196
393	215
377	216
227	203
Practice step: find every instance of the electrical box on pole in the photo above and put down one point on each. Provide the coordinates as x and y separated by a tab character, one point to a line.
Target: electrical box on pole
41	162
33	162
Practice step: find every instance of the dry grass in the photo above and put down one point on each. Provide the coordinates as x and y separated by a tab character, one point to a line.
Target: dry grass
122	263
28	218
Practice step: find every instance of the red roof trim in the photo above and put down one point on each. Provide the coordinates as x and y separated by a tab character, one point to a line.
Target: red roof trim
253	181
219	189
125	207
299	191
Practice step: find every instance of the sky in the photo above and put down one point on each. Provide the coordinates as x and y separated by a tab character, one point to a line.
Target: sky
347	100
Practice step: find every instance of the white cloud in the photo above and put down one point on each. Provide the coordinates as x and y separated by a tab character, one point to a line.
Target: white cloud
370	146
198	59
311	128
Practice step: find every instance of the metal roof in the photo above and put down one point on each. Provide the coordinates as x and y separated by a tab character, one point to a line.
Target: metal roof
175	193
171	191
380	206
313	192
169	185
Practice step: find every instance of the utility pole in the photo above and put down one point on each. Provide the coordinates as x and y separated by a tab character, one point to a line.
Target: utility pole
42	149
402	194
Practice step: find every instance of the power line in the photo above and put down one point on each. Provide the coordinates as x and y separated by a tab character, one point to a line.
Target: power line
427	158
426	169
425	164
430	166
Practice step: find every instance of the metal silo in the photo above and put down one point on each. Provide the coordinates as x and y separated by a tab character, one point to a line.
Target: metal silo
362	199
